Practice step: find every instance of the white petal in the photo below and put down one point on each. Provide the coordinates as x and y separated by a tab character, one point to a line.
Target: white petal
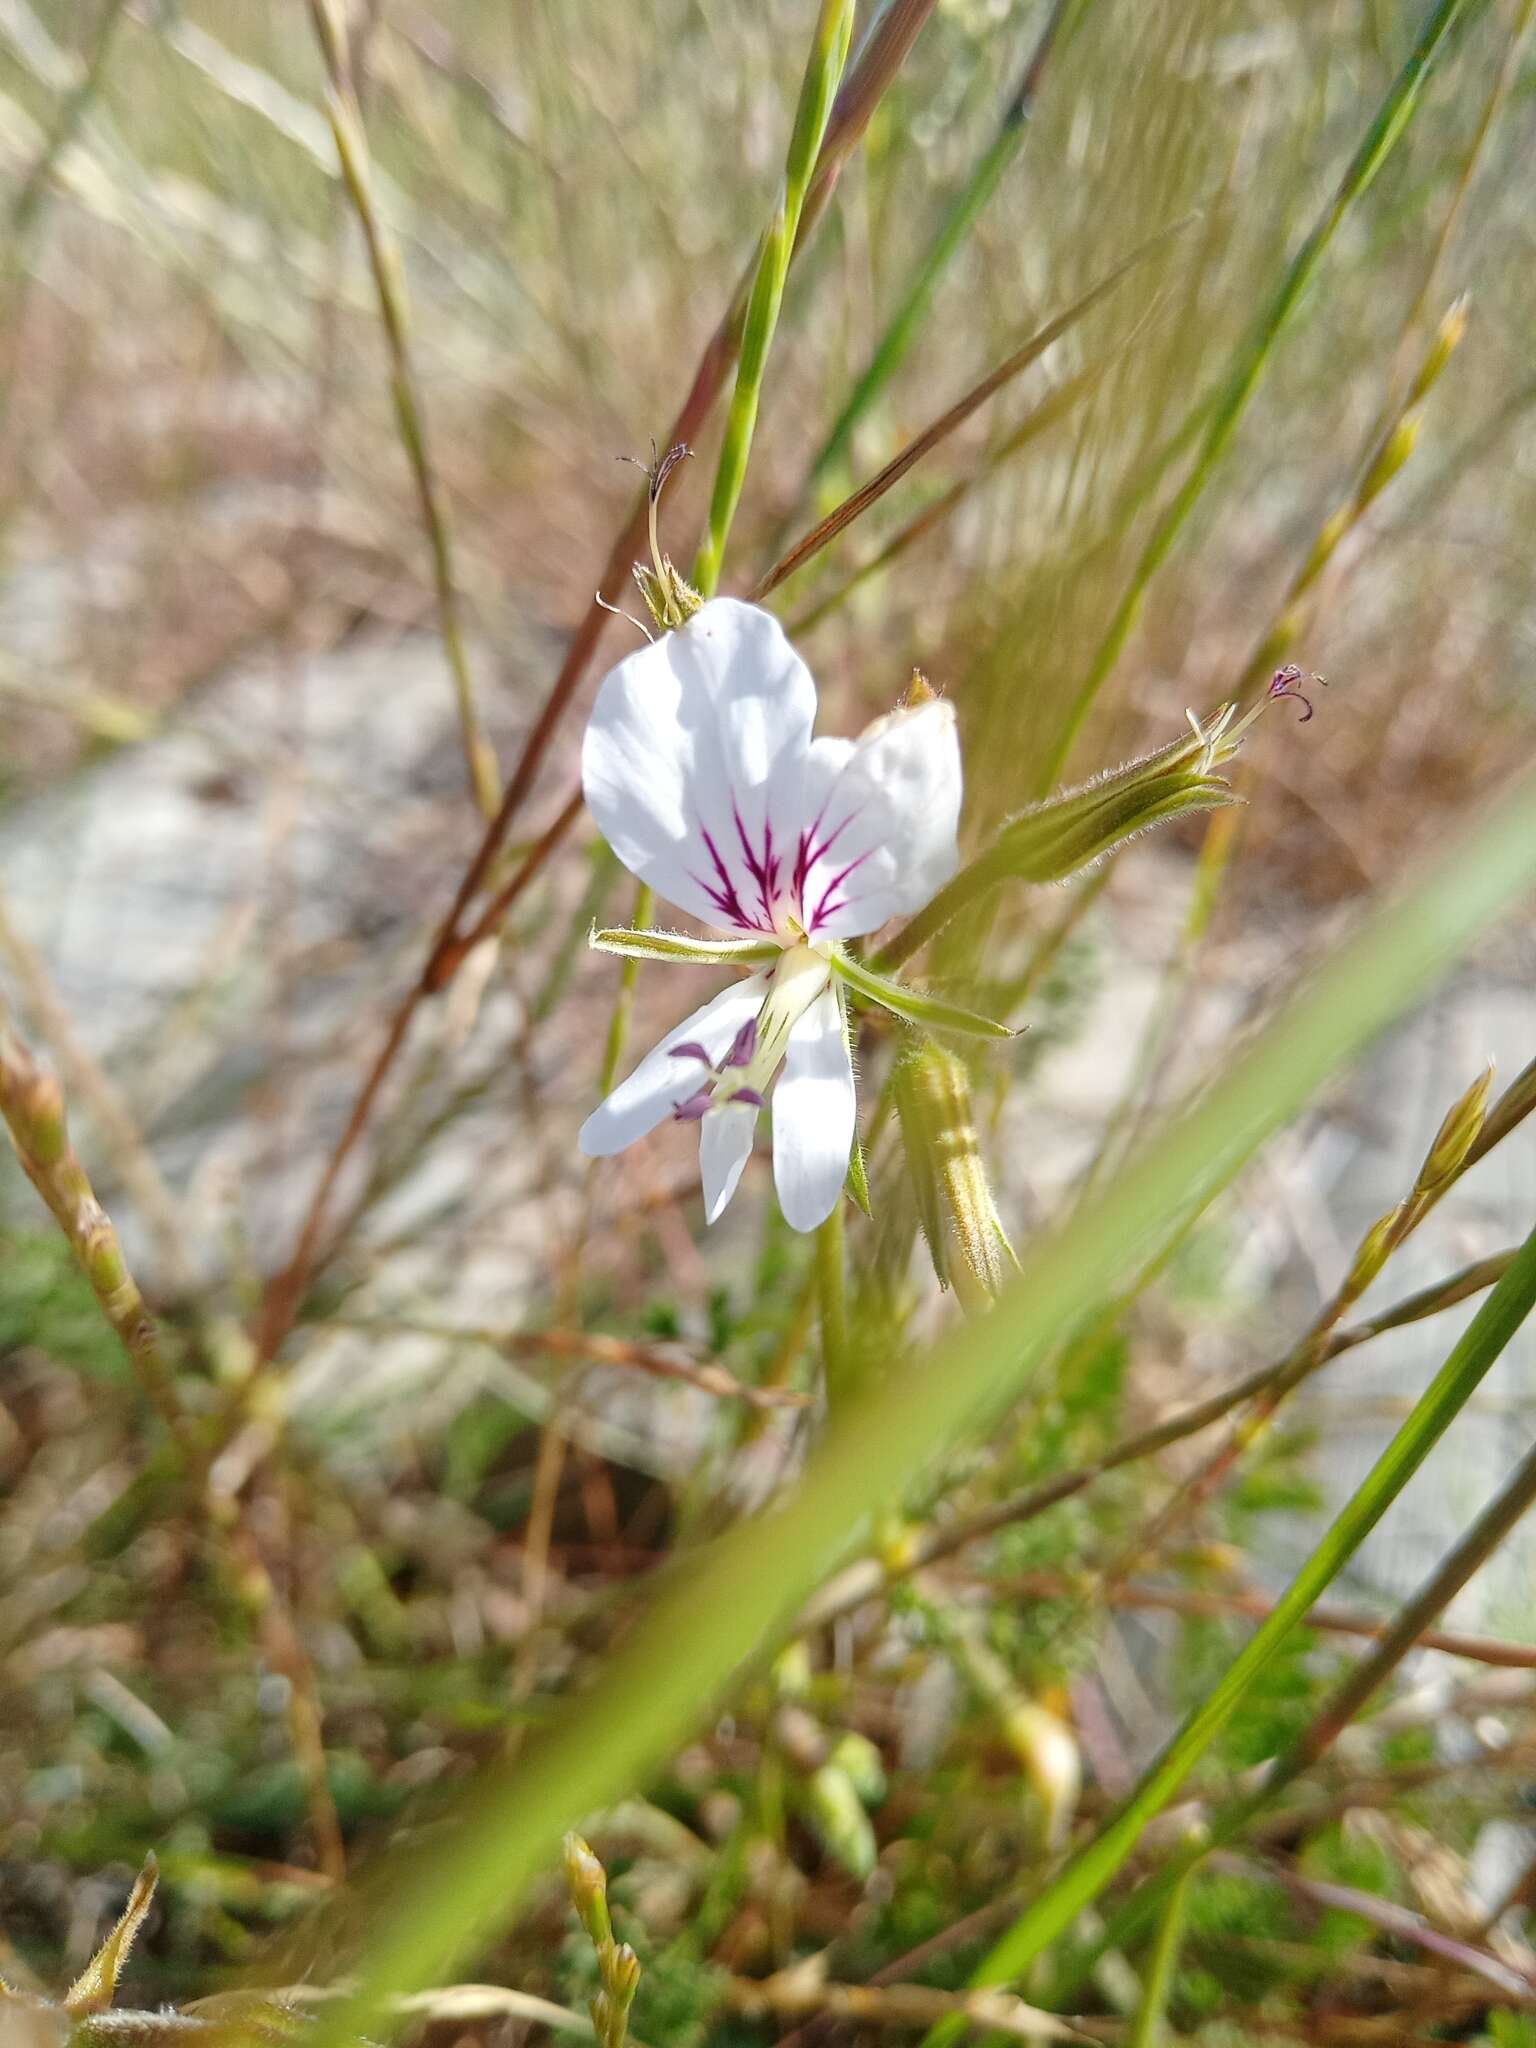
693	761
814	1110
886	840
725	1146
661	1082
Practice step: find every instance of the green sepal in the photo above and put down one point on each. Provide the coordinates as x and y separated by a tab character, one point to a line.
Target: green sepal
857	1183
912	1004
652	945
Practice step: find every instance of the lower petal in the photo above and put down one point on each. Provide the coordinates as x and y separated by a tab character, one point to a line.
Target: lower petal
725	1146
814	1111
660	1082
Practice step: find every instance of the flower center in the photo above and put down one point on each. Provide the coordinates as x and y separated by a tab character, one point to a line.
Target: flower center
798	978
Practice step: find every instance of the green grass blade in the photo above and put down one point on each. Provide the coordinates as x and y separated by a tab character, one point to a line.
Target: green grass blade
1086	1875
1392	117
1148	2029
829	53
967	207
858	502
438	1900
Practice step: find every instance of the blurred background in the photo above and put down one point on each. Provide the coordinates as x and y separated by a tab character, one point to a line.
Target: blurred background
233	813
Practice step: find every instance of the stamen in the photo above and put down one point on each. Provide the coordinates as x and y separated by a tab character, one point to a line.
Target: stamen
749	1096
1283	684
743	1045
619	612
656	473
689	1112
691	1050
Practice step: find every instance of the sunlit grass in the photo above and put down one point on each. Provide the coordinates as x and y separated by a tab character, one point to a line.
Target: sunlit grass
1108	358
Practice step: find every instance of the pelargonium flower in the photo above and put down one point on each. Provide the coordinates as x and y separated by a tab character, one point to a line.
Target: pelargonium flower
701	771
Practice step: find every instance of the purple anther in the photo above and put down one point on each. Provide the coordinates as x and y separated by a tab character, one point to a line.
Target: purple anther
743	1045
1284	684
691	1050
749	1096
690	1111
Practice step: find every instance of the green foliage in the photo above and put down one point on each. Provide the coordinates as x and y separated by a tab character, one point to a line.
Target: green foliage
1511	2030
677	1997
1230	1920
47	1302
443	1630
1347	1856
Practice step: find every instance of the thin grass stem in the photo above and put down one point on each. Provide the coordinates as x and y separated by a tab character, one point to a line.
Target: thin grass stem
1092	1868
436	1902
1253	357
965	210
1149	2028
818	92
346	120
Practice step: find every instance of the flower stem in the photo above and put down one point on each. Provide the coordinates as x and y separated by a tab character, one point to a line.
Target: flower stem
832	1286
624	1004
823	71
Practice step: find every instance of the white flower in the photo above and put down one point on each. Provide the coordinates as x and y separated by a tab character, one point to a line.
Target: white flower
700	768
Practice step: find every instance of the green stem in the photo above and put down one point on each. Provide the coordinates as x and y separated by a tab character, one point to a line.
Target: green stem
832	1288
388	272
430	1903
829	53
1392	117
1513	1501
1086	1875
624	1003
967	207
1147	2029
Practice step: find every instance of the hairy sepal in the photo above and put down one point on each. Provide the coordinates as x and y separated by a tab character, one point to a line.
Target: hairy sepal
916	1007
655	945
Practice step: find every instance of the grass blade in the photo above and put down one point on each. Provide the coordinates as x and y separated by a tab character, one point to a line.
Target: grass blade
829	52
871	492
965	210
389	284
1086	1875
439	1901
1392	118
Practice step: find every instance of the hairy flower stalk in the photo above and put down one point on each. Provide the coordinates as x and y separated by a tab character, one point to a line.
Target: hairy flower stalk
1071	830
700	768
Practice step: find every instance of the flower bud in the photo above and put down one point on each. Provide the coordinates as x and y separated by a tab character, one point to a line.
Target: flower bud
792	1670
1069	831
1456	1136
954	1201
860	1762
669	597
1375	1248
1395	451
1047	1748
588	1883
92	1990
622	1970
1446	341
834	1809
